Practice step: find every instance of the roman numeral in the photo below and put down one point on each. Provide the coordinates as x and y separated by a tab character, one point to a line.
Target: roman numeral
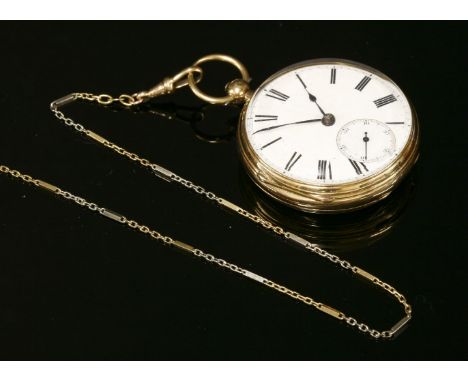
270	143
385	100
333	76
322	170
362	84
356	166
277	95
292	161
264	118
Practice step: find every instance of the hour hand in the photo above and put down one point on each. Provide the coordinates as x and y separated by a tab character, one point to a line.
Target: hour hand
287	124
311	96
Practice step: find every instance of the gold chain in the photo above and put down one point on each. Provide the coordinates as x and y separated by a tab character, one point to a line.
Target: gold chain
167	175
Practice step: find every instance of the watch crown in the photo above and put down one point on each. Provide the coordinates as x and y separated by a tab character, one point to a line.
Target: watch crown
239	90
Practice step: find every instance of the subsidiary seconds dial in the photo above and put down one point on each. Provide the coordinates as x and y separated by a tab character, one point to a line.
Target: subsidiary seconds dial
328	122
366	140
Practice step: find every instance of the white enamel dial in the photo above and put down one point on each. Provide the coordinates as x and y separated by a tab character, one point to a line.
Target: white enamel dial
328	123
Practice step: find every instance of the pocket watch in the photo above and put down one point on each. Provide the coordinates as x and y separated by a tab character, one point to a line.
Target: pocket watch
328	135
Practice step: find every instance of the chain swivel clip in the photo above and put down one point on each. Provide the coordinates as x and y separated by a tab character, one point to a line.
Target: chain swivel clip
169	84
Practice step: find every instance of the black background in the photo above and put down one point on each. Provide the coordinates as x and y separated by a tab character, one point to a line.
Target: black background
76	286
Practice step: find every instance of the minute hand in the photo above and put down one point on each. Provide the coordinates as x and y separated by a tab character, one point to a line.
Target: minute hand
287	124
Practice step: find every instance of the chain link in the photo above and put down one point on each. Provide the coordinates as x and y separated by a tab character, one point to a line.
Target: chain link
106	99
126	100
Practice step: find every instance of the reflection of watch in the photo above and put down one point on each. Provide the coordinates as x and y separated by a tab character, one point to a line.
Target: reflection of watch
341	233
328	136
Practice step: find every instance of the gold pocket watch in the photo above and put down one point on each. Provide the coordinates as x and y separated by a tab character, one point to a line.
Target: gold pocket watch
328	135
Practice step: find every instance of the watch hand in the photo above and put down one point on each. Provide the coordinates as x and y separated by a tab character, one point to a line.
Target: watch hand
365	139
314	99
311	96
287	124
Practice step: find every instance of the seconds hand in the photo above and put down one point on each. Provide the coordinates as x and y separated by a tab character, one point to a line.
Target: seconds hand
365	139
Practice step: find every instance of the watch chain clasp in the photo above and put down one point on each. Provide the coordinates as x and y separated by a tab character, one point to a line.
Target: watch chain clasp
169	84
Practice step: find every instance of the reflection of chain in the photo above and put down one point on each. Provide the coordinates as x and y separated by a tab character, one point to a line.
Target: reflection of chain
167	175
